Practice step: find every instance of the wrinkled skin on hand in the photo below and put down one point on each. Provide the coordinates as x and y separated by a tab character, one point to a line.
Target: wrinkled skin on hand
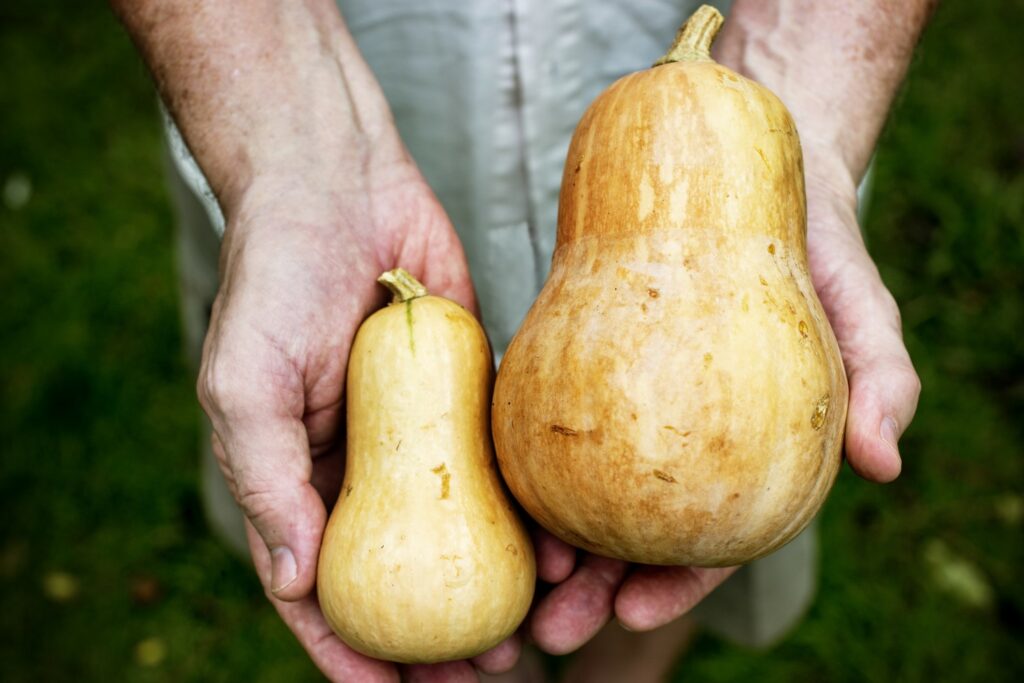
298	273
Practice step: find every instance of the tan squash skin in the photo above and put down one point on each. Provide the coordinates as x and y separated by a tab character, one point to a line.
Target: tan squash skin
676	395
423	559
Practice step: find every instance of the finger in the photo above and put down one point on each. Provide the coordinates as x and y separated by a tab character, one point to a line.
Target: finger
263	450
500	658
555	558
578	607
272	486
884	388
337	661
445	672
452	281
433	254
653	596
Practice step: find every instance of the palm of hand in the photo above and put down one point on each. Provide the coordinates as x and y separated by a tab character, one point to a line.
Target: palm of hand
295	287
884	391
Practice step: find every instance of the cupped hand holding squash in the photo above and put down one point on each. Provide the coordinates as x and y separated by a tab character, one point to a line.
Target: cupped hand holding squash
883	397
839	104
299	272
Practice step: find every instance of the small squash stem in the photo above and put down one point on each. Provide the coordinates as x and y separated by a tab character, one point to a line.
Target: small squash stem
402	285
693	41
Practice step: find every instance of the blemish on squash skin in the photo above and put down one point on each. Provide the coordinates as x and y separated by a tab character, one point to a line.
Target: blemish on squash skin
820	411
511	548
653	293
446	479
707	360
717	444
771	249
676	431
803	329
763	281
456	574
564	431
760	153
664	476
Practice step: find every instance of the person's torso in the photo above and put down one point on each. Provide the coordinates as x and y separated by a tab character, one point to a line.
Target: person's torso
486	95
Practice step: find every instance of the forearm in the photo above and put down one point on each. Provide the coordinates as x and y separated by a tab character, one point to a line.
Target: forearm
836	65
264	89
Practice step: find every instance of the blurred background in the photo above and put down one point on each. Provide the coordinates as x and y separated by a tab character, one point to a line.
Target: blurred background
107	569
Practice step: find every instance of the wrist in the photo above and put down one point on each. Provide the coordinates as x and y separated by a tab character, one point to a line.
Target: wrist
835	65
302	149
294	99
826	138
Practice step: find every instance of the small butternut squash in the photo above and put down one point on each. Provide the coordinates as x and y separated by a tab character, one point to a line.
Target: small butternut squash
676	395
424	558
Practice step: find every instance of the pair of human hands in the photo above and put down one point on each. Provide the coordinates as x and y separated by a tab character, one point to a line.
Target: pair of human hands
298	273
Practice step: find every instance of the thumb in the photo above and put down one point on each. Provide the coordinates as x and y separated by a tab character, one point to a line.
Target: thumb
265	458
884	387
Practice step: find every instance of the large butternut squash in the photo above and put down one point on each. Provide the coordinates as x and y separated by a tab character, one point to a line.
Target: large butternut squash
423	559
675	394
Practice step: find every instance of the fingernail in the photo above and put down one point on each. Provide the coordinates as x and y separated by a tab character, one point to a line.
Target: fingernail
889	433
283	568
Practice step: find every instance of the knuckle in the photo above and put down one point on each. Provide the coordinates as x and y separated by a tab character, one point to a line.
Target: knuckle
263	501
913	382
906	382
219	389
890	308
256	502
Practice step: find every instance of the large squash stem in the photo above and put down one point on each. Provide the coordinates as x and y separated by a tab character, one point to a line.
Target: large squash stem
402	285
693	41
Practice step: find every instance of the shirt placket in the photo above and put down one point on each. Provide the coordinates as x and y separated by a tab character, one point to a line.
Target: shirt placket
550	76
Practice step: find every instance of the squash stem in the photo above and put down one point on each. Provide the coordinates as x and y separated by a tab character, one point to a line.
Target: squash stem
402	285
693	41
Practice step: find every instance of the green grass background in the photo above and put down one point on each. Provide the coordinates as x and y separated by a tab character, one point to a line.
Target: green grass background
920	580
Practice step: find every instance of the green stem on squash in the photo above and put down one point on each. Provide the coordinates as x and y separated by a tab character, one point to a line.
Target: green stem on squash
693	41
402	285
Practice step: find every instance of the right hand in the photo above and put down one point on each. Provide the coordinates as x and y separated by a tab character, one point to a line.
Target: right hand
298	275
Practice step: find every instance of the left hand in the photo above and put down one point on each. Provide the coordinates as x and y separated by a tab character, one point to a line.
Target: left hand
884	389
